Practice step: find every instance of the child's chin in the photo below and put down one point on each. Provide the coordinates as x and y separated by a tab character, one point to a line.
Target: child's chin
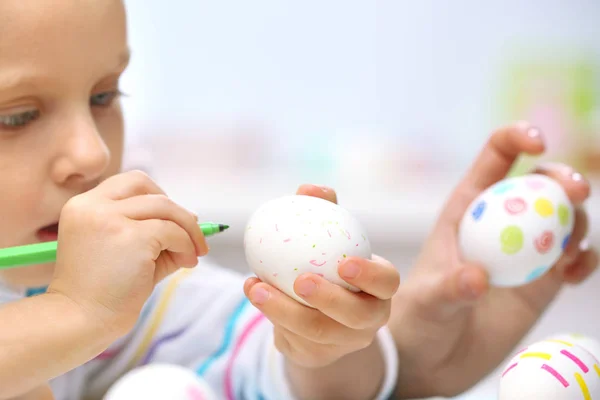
35	276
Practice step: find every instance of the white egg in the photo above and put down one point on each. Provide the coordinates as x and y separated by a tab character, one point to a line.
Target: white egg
590	344
517	229
160	382
551	370
293	235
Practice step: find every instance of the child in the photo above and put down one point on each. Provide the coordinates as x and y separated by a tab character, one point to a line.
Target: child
61	141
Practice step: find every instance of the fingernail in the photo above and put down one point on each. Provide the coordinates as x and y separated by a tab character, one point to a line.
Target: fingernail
584	245
260	296
577	177
350	270
203	250
464	285
324	188
306	287
534	133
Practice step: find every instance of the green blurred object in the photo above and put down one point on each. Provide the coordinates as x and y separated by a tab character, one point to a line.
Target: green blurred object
559	94
42	253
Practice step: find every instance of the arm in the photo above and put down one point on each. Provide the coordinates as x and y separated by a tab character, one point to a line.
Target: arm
365	374
36	341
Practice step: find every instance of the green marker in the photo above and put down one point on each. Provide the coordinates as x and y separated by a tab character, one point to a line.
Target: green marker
42	253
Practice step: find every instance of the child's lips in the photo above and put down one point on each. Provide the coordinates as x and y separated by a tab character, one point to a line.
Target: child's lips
48	233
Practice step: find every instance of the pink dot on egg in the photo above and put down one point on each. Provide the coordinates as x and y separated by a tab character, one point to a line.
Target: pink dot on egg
544	242
515	205
287	240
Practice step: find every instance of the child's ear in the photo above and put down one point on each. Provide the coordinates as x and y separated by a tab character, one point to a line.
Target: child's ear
322	192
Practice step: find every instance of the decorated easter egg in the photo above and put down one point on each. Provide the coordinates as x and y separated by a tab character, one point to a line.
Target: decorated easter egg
517	229
160	382
293	235
590	344
551	370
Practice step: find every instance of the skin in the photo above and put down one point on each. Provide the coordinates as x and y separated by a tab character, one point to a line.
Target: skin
446	315
61	144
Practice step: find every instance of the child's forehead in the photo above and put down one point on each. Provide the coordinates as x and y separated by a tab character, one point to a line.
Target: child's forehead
41	37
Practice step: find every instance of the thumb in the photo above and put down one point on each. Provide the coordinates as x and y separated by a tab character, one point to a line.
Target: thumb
453	290
323	192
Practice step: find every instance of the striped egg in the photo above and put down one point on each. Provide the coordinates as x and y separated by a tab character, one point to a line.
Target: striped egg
551	369
517	229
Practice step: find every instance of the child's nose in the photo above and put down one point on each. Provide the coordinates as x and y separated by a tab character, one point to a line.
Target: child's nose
83	154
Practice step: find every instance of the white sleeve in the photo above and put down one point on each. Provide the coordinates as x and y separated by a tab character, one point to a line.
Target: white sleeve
275	384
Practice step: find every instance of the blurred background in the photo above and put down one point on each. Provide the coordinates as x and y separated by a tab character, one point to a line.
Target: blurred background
232	103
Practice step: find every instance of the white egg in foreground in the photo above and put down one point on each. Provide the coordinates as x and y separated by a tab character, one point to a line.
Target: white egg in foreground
551	370
517	229
160	382
293	235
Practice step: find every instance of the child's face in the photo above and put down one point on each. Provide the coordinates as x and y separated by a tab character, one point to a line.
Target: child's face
61	126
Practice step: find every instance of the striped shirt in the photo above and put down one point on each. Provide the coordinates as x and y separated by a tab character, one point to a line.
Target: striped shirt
198	318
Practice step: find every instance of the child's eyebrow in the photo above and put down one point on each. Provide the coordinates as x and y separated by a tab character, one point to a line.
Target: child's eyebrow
11	79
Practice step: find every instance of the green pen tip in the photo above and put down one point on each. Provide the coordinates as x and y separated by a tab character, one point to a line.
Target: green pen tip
224	227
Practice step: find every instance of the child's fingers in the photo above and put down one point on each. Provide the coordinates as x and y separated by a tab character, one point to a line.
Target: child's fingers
167	236
354	310
572	250
581	269
574	184
377	277
128	184
286	312
322	192
443	294
492	165
159	206
501	151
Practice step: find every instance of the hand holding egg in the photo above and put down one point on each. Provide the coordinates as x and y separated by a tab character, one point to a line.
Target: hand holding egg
517	229
318	283
293	235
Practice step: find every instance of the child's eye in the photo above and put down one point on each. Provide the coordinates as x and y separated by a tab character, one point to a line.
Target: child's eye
18	120
104	99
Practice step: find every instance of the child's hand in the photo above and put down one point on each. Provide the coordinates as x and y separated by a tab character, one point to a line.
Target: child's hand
451	329
342	322
116	242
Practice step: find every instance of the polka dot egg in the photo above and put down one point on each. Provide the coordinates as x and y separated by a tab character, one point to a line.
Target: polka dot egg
293	235
160	382
551	370
517	229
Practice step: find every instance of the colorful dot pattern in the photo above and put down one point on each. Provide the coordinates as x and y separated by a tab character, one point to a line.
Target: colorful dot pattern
512	238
